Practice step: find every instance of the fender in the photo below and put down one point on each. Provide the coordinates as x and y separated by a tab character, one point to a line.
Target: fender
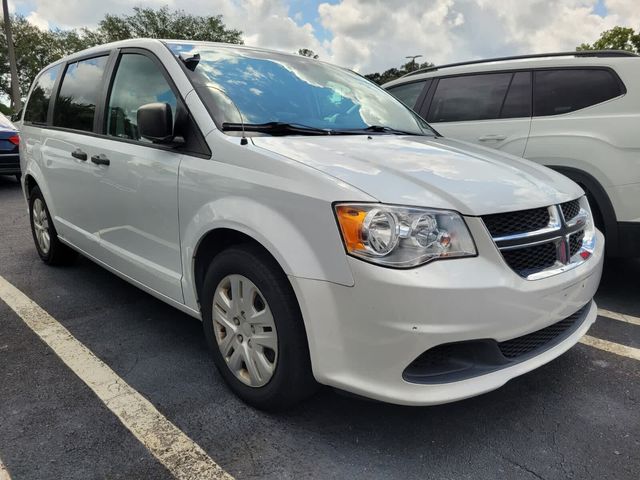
595	190
301	248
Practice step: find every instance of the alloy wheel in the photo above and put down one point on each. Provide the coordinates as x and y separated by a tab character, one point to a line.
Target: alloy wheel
41	225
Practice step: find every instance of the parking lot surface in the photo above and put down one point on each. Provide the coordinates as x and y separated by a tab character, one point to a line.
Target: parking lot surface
577	417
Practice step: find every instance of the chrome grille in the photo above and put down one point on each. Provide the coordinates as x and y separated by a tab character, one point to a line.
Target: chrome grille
541	242
570	210
575	242
516	222
532	259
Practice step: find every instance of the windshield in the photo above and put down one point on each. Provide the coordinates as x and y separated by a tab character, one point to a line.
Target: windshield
257	87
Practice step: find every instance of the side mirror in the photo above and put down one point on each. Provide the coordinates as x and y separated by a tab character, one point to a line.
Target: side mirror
155	122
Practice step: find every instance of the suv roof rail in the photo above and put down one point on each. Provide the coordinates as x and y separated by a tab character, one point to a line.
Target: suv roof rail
581	53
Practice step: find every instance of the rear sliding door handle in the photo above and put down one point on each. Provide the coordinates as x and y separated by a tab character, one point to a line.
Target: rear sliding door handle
490	138
79	154
100	160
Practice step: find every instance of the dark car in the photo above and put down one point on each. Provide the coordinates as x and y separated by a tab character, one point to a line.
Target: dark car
9	143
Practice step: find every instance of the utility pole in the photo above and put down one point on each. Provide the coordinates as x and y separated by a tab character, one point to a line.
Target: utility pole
16	101
413	60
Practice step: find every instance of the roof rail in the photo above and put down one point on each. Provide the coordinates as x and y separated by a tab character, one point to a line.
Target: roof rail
581	53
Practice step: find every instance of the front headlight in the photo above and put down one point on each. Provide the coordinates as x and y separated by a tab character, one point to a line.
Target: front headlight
402	237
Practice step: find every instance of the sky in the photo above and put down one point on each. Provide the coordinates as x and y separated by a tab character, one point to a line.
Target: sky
373	35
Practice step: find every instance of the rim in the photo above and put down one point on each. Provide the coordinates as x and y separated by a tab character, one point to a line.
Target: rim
41	226
245	331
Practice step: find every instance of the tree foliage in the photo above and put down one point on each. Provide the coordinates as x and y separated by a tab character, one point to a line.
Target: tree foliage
305	52
618	38
165	23
37	48
393	73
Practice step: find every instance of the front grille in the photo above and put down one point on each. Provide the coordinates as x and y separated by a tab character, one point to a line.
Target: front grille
502	224
516	347
575	242
527	260
570	209
457	361
540	242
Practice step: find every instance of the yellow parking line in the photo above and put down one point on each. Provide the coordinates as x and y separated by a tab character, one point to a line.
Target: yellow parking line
619	316
611	347
172	447
4	473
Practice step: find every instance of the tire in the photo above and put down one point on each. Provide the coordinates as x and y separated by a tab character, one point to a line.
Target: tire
45	237
229	334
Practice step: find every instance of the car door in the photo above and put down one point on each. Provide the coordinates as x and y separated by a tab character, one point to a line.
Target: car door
137	190
66	148
491	109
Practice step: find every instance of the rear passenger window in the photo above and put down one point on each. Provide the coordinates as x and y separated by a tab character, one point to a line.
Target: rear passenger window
76	103
409	92
563	91
470	97
38	107
138	81
518	100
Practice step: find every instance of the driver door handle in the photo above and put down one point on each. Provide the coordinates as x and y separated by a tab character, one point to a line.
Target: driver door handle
494	138
79	154
100	160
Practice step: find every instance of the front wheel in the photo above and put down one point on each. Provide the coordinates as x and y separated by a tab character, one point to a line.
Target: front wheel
253	325
50	249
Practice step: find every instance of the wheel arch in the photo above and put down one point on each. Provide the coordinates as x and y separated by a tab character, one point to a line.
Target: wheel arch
212	244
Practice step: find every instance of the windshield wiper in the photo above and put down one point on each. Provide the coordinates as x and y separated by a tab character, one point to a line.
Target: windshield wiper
381	129
276	128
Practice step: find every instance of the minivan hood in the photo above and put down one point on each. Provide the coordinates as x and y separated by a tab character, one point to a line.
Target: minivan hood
428	171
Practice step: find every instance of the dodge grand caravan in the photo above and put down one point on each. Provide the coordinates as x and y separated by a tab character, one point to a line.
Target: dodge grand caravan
322	232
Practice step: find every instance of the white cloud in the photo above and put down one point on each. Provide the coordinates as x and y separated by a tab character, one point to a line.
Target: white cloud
373	35
377	34
36	19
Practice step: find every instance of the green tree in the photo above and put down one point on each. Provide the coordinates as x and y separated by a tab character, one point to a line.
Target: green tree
36	48
393	73
163	23
618	38
305	52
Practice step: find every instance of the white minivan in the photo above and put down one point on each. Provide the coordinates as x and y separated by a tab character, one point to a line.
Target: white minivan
322	232
575	112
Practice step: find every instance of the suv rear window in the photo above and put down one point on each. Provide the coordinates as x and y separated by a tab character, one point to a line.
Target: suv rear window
76	103
564	91
409	92
469	97
38	107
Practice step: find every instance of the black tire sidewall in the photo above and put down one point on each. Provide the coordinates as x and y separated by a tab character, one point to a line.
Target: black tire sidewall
35	194
292	380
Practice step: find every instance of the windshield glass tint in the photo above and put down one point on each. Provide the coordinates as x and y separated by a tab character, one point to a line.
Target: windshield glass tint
270	87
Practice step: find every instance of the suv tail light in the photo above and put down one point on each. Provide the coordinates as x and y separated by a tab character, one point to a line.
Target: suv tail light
15	139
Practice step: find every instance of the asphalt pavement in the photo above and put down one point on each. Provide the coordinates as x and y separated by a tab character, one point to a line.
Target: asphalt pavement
576	417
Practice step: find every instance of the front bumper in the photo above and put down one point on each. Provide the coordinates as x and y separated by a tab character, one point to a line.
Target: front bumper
362	338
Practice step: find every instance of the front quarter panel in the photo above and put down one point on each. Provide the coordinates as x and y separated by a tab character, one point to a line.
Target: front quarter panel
283	205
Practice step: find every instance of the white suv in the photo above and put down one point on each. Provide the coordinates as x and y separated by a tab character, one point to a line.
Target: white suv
319	228
576	112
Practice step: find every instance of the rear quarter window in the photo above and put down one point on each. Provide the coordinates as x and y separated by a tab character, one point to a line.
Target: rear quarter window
37	107
409	92
76	103
563	91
